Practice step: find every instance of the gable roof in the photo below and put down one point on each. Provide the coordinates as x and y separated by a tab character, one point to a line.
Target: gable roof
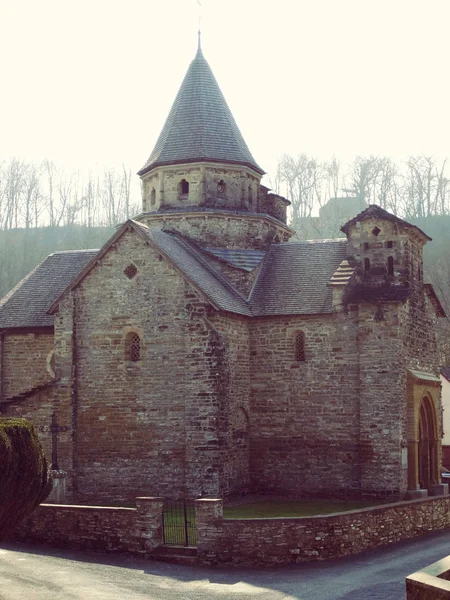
375	211
26	305
200	125
295	277
183	257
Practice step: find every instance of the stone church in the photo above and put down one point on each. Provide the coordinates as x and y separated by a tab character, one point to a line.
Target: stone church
201	353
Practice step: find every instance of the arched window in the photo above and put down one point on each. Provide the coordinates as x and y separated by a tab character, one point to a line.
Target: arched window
153	197
133	347
299	346
221	187
390	266
184	187
366	265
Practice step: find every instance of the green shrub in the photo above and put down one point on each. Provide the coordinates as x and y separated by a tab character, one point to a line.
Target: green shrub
24	476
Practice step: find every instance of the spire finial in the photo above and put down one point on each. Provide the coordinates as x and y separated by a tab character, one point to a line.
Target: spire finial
199	47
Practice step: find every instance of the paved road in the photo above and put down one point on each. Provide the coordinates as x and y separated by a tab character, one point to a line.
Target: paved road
27	573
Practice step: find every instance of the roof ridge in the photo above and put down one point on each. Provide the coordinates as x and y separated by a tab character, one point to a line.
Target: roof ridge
73	251
341	240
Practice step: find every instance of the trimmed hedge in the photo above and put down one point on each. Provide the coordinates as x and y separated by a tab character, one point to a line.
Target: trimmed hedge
24	476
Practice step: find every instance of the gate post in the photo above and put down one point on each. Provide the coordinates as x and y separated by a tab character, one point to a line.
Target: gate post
149	521
208	513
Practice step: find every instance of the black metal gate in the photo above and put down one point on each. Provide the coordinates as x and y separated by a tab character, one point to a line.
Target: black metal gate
179	523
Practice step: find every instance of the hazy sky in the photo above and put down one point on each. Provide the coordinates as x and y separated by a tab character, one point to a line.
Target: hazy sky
91	82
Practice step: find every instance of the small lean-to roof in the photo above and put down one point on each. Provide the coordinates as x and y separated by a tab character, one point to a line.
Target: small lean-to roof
245	259
26	305
375	211
200	126
295	277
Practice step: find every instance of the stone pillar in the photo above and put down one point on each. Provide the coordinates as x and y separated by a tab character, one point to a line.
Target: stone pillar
161	190
58	493
208	513
149	522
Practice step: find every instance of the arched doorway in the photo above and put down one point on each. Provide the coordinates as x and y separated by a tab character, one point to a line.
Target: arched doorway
427	446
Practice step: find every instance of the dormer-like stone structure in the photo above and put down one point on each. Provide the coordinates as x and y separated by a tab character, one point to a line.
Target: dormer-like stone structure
202	180
385	250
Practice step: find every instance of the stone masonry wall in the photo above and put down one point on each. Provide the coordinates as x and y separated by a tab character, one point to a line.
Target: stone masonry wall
280	541
136	531
25	361
393	336
239	187
135	433
222	230
304	415
234	331
383	408
431	582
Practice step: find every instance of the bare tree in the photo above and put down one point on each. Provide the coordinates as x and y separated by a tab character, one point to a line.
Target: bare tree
303	177
426	188
332	171
362	178
387	185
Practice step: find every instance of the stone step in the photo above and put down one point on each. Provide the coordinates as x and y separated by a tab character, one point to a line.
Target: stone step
181	555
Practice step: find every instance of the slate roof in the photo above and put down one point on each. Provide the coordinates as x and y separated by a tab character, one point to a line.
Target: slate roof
246	259
27	303
446	372
200	125
294	278
379	213
190	262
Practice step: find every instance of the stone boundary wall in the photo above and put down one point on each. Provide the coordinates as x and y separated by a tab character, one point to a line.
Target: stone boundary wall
430	583
137	531
294	540
246	542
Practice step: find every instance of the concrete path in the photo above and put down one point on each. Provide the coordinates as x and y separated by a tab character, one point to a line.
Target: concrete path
28	573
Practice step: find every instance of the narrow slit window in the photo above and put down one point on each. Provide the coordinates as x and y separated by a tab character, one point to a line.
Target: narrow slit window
366	265
184	187
390	266
153	197
133	347
299	346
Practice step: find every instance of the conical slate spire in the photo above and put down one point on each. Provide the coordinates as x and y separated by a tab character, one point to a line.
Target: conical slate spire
200	126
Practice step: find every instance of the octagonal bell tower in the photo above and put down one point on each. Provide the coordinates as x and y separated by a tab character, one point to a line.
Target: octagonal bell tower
202	180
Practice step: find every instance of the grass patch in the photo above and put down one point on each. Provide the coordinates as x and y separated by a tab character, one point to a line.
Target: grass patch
294	508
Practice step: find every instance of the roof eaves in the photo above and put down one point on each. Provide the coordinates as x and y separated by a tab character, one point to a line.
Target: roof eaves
167	163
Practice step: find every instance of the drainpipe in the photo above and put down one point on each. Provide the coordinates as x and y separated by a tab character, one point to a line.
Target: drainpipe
74	400
2	352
